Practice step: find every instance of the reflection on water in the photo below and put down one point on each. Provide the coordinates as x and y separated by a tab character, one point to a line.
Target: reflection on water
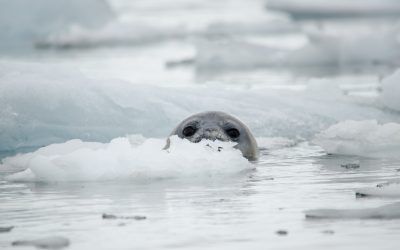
238	212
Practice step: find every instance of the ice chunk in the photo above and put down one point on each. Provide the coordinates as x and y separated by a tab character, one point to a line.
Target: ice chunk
391	91
341	8
362	138
128	158
391	211
390	189
54	242
24	21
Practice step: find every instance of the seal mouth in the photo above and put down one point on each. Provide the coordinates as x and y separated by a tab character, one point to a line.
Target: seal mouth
212	135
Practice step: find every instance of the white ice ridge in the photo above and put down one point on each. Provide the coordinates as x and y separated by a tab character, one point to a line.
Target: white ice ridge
363	138
391	211
389	189
127	158
369	48
338	8
391	91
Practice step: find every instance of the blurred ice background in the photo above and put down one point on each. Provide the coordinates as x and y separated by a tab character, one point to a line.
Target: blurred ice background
316	81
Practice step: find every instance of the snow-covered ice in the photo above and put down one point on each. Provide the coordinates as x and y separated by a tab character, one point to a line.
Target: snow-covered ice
131	158
362	138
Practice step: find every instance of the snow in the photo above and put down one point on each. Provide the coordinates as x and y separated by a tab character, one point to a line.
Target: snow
391	211
127	158
22	22
362	138
340	8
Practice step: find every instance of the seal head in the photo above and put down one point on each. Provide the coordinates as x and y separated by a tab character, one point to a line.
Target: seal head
216	125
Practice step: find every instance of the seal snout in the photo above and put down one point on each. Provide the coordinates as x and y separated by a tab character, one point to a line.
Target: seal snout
212	134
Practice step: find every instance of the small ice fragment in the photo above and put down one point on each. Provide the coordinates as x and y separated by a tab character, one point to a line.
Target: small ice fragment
363	138
389	189
113	217
6	229
282	232
54	242
350	165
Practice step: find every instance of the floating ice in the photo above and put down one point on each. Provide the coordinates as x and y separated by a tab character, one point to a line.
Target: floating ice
341	8
112	34
54	242
127	158
391	211
42	104
362	138
321	50
390	189
24	21
261	27
120	32
391	91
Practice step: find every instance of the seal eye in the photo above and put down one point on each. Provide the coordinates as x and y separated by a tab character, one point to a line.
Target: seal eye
233	133
189	131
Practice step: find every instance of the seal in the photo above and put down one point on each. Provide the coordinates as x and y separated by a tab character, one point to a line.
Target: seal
216	125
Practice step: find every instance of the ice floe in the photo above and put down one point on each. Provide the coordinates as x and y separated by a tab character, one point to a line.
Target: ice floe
23	21
120	32
51	242
389	189
127	158
341	8
391	91
391	211
44	104
112	34
362	138
320	50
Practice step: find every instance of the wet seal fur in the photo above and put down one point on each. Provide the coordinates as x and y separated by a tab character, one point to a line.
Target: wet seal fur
216	125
